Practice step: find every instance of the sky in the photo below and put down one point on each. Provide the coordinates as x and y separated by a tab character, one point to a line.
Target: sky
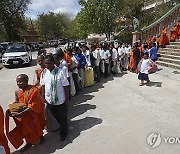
64	6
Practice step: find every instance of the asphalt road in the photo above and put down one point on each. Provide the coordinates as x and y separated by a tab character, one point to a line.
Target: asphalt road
114	116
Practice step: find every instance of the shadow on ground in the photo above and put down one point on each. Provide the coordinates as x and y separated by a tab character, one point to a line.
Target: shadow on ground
76	127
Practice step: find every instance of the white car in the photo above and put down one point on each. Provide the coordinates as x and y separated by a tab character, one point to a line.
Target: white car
17	55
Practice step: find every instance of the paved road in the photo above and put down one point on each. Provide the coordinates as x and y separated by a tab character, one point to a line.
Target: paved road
113	117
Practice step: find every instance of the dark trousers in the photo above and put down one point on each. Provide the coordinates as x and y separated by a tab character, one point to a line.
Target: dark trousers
75	78
106	65
60	113
97	73
136	62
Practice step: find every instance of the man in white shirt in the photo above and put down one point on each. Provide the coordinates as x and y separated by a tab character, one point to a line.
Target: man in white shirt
107	56
96	55
114	57
55	92
126	57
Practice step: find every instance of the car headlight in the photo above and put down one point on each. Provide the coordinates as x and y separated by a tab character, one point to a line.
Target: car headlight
26	55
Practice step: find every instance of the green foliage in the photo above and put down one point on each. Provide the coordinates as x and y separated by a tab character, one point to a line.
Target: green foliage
55	26
12	17
99	16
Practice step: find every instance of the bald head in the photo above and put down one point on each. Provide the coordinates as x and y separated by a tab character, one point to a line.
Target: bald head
22	81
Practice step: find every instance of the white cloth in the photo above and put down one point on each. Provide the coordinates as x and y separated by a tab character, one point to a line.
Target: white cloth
101	51
127	51
87	56
145	65
62	82
107	55
73	64
121	53
96	55
114	54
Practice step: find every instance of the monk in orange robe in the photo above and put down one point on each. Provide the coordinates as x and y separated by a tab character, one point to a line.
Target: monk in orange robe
174	34
3	139
131	62
40	61
164	40
149	42
178	28
31	121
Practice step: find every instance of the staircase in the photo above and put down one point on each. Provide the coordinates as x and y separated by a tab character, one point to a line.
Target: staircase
170	56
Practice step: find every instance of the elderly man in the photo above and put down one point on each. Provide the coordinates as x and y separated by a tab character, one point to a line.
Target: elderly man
31	121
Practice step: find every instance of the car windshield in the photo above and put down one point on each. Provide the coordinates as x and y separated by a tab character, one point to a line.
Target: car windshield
15	49
4	45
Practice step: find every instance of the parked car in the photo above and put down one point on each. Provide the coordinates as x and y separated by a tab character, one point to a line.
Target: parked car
19	54
1	51
52	43
3	47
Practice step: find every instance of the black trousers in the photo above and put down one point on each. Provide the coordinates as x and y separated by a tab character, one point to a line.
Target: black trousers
75	78
60	113
106	70
97	74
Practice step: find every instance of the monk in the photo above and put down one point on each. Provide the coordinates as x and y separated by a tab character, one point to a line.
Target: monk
3	139
31	121
174	34
67	58
131	63
40	61
149	42
178	27
164	40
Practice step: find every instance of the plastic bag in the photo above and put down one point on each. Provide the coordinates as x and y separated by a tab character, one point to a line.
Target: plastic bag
51	122
89	77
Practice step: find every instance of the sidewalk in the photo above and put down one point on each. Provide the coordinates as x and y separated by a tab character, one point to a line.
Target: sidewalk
116	115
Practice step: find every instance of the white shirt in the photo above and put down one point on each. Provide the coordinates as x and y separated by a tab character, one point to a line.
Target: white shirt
63	66
74	63
101	51
145	66
107	55
96	55
62	82
121	53
127	50
114	54
87	56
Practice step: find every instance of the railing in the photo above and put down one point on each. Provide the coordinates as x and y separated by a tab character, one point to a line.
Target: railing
166	21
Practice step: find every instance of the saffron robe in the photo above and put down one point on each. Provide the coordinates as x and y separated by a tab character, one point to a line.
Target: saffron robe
30	126
174	34
3	139
164	40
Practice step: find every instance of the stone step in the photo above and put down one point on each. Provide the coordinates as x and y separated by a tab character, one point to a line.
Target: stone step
175	43
176	66
169	49
173	46
170	56
178	40
169	53
168	60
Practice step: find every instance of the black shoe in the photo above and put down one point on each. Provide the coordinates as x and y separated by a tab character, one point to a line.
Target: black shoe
26	147
41	140
62	138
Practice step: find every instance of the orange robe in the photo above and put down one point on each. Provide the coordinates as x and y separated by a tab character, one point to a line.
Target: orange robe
3	139
67	58
38	74
174	34
164	40
178	28
131	63
30	126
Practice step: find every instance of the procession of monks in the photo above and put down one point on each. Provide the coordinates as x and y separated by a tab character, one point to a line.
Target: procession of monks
160	41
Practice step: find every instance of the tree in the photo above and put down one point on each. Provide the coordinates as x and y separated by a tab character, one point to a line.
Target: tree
12	17
53	26
99	16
